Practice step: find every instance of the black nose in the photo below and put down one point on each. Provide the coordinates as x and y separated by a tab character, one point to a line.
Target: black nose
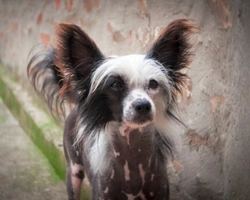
142	106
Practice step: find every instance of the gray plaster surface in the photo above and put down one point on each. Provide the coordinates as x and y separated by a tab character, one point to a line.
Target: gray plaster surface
25	173
212	161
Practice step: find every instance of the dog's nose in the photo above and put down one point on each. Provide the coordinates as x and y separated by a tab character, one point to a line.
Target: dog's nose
142	106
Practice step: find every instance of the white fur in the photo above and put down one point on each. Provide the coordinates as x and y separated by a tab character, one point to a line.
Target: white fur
137	70
79	134
99	156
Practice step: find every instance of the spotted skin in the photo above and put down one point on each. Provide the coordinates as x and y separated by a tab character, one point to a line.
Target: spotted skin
135	174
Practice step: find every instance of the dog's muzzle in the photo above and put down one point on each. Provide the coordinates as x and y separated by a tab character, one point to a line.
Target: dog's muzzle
139	112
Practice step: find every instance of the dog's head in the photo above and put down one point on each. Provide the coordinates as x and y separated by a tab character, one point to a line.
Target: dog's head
136	90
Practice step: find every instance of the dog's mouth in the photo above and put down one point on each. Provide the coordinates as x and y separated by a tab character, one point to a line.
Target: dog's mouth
136	124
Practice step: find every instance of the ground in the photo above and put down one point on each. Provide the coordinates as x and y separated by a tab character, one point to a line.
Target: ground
25	173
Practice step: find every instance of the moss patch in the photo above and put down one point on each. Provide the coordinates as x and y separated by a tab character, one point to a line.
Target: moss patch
49	149
3	118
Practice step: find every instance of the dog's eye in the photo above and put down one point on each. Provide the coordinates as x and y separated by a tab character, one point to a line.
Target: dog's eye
116	85
153	84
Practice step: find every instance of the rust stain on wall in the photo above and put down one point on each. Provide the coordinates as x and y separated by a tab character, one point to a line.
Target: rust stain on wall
69	4
39	18
89	5
143	6
2	36
143	10
197	141
117	35
58	4
45	38
13	26
223	12
215	102
178	166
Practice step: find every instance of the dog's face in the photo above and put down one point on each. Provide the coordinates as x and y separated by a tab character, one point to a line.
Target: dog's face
136	90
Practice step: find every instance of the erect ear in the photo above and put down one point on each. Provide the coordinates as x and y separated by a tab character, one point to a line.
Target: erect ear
76	55
172	50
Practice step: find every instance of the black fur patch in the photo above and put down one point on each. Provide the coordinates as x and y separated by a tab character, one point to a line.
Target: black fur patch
80	175
45	78
103	105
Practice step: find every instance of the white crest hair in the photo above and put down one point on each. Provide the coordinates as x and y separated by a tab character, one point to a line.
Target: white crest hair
135	68
98	152
98	147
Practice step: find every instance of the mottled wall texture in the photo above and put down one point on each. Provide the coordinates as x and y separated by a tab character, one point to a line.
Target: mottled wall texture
213	159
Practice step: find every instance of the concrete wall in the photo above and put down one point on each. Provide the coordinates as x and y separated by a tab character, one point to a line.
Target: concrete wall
213	161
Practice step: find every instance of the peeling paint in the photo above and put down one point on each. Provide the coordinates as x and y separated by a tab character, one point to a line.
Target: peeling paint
178	166
45	38
39	18
197	141
2	35
58	4
89	5
143	7
223	12
216	102
118	37
14	26
69	4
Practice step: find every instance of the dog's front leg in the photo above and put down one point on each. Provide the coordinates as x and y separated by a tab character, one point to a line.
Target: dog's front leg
75	169
75	177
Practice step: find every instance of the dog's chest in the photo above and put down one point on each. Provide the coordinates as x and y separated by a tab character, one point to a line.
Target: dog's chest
133	173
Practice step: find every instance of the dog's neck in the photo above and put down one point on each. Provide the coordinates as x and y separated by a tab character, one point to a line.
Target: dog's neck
135	171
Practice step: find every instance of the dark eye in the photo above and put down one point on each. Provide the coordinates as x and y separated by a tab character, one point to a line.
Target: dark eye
116	85
153	84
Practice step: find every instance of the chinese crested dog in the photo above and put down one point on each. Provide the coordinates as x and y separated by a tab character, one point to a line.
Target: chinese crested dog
117	133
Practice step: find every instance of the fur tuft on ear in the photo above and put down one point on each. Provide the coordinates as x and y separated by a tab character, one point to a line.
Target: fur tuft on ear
63	72
75	58
172	51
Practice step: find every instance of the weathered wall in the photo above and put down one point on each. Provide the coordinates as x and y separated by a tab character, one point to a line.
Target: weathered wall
213	161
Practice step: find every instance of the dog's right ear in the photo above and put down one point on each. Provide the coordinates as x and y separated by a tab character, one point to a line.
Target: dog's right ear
76	56
173	51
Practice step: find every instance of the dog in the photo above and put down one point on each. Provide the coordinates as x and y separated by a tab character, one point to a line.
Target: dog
118	130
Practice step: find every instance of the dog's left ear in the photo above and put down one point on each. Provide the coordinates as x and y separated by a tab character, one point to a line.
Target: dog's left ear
76	56
172	50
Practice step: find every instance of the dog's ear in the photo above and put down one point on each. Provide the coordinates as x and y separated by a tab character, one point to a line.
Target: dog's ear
76	56
172	50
